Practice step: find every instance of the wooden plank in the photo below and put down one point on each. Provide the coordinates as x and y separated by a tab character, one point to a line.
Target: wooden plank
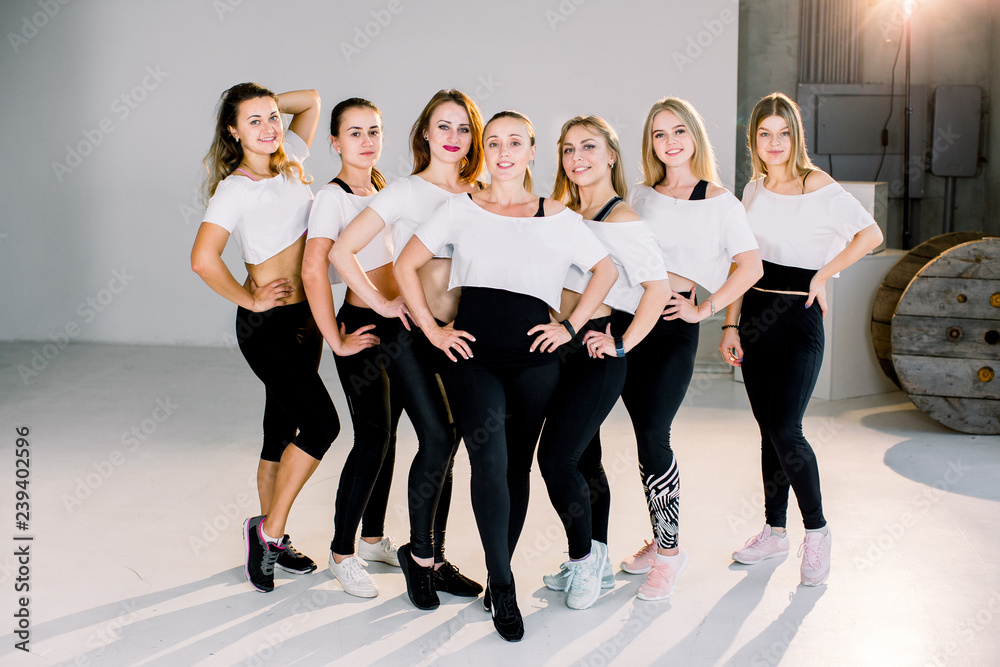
967	415
886	302
942	337
937	245
977	259
940	297
881	340
905	269
939	376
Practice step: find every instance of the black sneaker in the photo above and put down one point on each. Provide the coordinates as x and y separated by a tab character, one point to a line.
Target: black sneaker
487	598
260	555
419	582
506	616
292	560
447	579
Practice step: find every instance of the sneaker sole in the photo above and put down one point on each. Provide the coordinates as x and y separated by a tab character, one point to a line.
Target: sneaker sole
633	570
246	558
746	561
291	571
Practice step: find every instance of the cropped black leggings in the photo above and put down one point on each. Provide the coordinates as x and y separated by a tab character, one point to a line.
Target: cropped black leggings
660	368
414	370
283	348
363	492
782	352
569	454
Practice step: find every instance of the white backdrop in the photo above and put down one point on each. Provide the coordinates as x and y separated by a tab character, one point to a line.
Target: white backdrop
109	111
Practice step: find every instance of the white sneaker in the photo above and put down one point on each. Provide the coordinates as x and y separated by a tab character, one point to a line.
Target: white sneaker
352	575
584	584
383	551
815	554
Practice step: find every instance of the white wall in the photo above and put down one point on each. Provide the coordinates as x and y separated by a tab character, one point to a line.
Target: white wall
95	248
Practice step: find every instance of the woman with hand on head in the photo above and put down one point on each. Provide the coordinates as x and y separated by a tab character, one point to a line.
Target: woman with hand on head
363	492
809	229
447	159
259	193
703	231
511	251
591	181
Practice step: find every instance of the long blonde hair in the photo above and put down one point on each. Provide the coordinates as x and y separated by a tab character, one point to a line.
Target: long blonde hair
516	115
779	104
703	163
472	163
566	190
226	153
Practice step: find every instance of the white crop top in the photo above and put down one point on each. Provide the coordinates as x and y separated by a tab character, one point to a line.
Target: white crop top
332	210
265	216
525	255
635	252
404	205
699	238
806	230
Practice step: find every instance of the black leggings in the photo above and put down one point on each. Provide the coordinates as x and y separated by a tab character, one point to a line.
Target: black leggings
414	370
660	368
782	351
569	453
283	348
363	492
500	398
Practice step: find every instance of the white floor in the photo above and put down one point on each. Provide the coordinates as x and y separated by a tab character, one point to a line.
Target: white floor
142	471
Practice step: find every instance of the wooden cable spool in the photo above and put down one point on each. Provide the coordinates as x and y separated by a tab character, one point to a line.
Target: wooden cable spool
936	329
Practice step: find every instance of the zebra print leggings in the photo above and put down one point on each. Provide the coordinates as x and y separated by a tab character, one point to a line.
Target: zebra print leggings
659	371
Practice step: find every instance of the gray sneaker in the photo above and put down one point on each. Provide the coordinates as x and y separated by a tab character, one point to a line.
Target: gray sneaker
584	584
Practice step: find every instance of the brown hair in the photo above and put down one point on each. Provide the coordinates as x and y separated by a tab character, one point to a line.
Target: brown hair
779	104
226	153
337	117
566	190
516	115
472	163
703	165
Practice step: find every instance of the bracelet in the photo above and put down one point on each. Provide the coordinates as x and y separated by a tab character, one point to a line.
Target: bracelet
569	327
620	347
730	326
711	304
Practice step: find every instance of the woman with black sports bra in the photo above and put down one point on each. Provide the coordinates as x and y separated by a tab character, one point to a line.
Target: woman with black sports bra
809	229
363	491
447	151
510	254
702	230
591	181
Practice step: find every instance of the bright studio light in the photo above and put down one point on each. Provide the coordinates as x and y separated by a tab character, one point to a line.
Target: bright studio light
908	7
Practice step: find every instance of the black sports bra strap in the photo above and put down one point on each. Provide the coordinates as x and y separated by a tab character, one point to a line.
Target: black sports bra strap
541	208
699	191
344	186
804	177
606	211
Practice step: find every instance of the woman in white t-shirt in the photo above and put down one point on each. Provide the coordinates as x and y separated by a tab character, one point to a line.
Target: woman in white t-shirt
591	181
447	158
809	229
510	251
260	195
702	230
363	491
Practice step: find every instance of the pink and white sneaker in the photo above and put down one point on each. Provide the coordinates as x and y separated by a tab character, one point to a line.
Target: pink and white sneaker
642	561
662	578
766	544
815	553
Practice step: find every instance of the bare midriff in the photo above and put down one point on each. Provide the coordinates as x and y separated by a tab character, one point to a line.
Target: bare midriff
680	283
442	302
286	264
384	282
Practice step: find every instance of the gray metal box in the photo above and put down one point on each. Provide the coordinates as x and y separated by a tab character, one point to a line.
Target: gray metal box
955	142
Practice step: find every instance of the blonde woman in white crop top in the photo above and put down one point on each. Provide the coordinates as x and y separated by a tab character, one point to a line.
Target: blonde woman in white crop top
809	230
446	143
260	194
702	231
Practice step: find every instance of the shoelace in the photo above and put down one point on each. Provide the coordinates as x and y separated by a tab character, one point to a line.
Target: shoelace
293	552
657	577
504	605
354	571
759	538
811	553
270	557
580	577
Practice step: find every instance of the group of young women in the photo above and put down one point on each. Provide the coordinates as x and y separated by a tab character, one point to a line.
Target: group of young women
506	320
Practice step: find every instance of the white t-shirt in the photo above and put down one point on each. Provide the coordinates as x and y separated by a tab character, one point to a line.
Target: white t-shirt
699	238
806	230
265	216
404	205
525	255
332	210
635	252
